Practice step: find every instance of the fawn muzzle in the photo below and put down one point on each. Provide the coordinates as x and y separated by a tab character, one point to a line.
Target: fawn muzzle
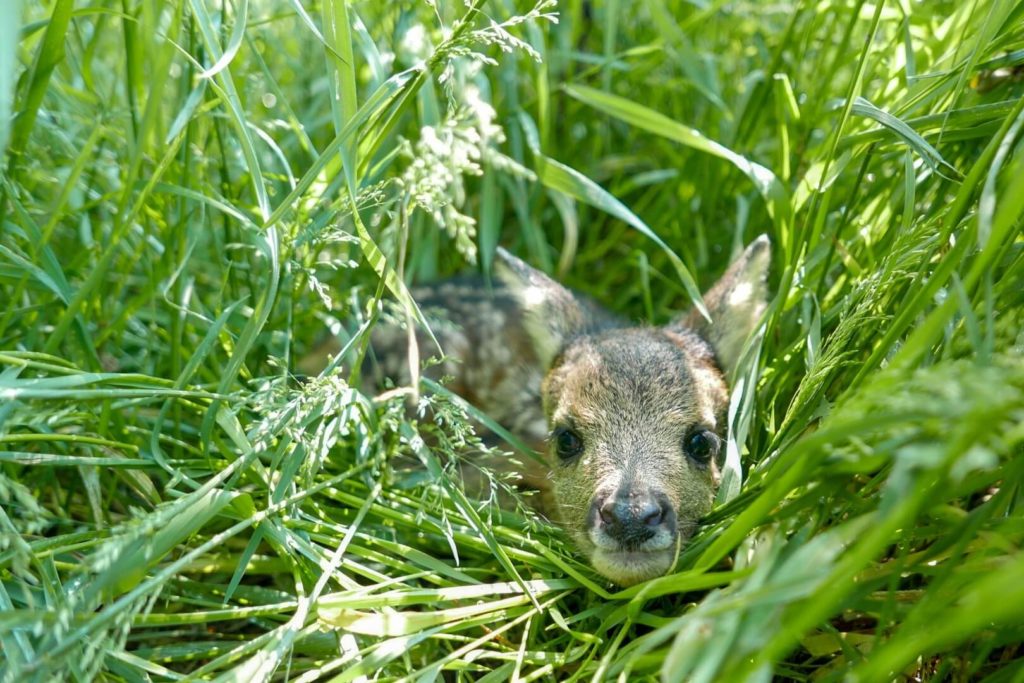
633	519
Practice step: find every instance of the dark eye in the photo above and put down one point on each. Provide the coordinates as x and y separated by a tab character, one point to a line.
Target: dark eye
702	445
568	443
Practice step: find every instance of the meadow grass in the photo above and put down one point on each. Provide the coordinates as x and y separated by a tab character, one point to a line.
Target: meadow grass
193	194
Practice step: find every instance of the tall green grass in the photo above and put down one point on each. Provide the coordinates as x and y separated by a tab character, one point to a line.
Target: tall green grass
193	194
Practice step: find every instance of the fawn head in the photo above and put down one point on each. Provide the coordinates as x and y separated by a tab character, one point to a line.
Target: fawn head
637	415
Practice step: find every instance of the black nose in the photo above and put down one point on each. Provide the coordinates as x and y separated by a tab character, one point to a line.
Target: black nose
632	517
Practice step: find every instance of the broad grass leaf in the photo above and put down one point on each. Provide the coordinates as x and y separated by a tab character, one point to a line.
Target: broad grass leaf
922	147
234	41
232	100
49	55
645	118
131	561
569	181
9	28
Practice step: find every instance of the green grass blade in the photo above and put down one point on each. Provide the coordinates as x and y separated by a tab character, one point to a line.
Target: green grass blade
765	182
569	181
8	50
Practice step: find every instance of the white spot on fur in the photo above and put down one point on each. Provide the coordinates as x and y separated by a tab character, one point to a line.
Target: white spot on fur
740	294
533	296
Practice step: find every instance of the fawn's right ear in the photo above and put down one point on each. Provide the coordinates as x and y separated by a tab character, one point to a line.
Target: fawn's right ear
552	314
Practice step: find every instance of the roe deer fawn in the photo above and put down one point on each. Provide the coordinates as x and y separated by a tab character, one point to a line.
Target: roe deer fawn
631	418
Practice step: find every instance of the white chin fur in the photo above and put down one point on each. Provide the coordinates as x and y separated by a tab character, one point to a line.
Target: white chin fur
627	568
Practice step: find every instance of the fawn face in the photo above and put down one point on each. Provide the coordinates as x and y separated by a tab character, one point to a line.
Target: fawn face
636	415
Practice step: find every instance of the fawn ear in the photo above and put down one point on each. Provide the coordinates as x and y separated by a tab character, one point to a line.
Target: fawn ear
552	314
735	303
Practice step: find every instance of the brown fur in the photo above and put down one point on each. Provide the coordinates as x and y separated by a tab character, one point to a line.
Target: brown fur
540	359
633	395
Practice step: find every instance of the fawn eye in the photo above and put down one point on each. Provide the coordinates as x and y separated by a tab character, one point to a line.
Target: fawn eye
568	443
702	445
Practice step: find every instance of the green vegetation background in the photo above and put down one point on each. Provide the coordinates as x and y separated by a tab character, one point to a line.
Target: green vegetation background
194	193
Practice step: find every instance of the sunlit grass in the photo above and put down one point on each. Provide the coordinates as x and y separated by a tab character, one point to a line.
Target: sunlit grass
194	194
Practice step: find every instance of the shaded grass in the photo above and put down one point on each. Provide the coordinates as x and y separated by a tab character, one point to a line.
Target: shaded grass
194	194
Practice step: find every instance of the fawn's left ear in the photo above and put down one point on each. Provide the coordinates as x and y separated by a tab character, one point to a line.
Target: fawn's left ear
735	303
552	314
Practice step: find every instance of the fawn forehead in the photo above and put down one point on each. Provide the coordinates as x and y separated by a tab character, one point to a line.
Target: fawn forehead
624	375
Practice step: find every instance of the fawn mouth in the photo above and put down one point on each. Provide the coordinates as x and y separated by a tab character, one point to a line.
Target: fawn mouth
626	567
